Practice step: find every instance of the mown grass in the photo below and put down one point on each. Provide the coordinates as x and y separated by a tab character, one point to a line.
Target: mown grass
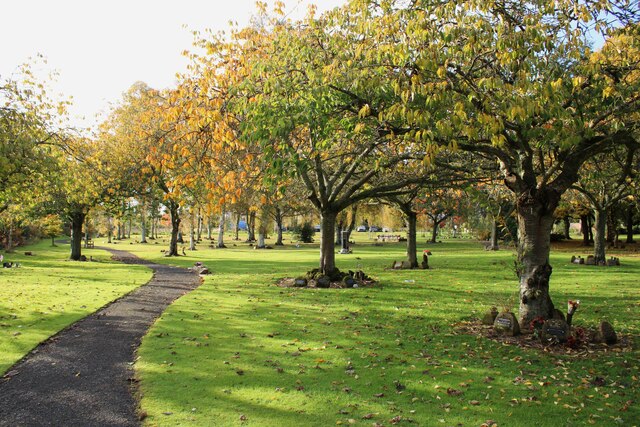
241	351
48	292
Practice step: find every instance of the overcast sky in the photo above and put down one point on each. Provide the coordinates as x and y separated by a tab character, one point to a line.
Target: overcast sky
100	48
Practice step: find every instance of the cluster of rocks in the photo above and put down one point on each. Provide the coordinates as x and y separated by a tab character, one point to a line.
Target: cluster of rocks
316	279
200	268
10	265
550	331
591	260
406	265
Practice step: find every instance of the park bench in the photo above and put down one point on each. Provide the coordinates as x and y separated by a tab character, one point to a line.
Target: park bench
89	244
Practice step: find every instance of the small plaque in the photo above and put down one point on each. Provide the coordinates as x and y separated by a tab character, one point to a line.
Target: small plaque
503	321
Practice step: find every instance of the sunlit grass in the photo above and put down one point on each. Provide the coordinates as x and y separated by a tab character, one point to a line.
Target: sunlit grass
48	292
241	351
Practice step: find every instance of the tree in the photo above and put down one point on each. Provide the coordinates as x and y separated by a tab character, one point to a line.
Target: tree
514	81
322	133
606	180
31	123
51	227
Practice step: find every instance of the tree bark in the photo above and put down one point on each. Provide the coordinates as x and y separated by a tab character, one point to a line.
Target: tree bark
412	244
109	229
599	237
327	242
251	226
237	227
261	233
221	230
192	233
434	231
77	220
339	228
352	224
567	227
175	228
493	243
279	226
535	221
584	226
143	225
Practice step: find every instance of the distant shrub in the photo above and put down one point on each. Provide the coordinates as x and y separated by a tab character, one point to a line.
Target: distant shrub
304	233
557	237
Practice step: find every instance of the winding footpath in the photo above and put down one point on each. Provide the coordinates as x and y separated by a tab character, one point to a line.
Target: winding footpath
83	375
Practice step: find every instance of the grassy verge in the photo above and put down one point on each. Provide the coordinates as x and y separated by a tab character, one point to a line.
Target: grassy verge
48	293
241	351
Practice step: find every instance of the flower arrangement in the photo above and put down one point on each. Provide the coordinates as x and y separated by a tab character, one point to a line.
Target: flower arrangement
572	306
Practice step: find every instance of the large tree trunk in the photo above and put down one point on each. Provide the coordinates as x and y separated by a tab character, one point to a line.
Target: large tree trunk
261	237
535	222
584	227
221	230
434	230
279	226
327	242
175	228
339	229
77	219
412	244
251	226
352	224
143	225
109	229
599	237
493	243
192	233
237	227
567	227
630	212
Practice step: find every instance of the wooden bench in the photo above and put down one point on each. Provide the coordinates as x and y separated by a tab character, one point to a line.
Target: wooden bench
89	244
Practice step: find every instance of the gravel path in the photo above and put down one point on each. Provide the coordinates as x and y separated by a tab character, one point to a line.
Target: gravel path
83	375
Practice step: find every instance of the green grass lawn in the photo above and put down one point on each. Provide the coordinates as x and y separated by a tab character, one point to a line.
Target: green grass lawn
241	351
48	293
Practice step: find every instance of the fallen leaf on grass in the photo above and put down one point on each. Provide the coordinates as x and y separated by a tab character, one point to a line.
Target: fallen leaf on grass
454	392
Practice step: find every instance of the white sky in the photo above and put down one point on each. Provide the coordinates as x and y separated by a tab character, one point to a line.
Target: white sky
100	48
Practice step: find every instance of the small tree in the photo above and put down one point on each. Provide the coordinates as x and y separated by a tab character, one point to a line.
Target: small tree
51	226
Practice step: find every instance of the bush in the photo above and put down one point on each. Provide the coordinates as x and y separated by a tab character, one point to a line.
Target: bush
305	233
557	237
